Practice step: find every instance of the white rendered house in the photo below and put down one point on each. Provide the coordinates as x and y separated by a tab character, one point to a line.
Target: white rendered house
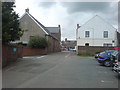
96	32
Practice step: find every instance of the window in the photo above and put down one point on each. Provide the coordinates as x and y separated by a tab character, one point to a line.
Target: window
31	37
107	44
86	44
87	33
105	34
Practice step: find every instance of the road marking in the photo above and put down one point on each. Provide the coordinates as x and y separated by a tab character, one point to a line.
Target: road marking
40	57
67	55
106	81
34	57
28	57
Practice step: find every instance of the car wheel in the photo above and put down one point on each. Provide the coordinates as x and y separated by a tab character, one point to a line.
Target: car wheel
101	64
107	63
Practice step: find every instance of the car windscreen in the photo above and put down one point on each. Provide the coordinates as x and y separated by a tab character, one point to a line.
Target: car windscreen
115	53
109	52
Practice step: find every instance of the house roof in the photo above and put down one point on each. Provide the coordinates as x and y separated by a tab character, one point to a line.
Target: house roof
97	16
53	29
40	25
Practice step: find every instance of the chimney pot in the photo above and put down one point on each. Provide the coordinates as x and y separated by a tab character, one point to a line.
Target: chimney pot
27	10
78	26
65	39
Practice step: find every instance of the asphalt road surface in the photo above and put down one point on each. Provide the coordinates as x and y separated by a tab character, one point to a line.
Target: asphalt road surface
58	70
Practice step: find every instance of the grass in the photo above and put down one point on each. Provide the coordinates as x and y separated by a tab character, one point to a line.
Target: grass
86	54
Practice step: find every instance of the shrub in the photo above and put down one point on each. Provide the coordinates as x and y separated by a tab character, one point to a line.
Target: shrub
97	52
85	54
37	42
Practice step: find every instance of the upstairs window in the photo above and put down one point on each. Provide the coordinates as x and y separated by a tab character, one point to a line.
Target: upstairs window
87	33
105	34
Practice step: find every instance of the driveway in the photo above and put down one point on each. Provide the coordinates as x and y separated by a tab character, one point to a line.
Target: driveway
58	70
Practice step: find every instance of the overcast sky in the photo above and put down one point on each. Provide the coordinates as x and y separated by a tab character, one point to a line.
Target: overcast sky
68	14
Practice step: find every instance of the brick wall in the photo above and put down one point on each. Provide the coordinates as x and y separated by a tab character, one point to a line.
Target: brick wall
10	54
33	52
92	49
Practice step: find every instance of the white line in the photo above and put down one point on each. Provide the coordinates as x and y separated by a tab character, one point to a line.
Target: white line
28	57
34	57
106	81
40	57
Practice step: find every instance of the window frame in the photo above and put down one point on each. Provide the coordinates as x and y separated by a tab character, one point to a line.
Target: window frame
105	34
87	34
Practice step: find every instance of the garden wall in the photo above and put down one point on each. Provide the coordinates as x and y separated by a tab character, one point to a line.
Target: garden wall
10	54
33	52
92	49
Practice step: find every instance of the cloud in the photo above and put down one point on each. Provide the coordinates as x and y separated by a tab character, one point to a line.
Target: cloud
103	9
74	7
69	14
46	4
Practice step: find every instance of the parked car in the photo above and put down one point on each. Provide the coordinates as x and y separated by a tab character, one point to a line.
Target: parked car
114	57
73	49
116	68
96	55
104	58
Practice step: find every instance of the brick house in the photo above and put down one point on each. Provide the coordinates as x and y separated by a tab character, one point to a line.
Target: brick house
55	31
35	28
69	44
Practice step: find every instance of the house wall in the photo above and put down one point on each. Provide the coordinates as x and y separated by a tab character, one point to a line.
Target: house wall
94	42
96	26
26	23
53	44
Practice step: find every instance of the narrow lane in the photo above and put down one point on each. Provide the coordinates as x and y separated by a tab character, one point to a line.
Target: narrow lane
59	70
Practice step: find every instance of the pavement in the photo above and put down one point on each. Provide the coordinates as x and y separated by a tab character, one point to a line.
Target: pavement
58	70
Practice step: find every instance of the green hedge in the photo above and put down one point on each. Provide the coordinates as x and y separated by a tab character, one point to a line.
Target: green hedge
38	42
86	54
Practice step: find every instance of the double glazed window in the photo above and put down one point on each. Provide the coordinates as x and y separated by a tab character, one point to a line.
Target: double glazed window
105	34
87	33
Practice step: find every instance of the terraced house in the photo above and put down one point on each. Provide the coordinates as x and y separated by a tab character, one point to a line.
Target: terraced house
35	28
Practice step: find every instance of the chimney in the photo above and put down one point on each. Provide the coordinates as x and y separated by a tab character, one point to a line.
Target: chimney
78	26
65	39
27	10
59	26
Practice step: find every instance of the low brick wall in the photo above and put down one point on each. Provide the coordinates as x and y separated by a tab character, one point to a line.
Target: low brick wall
92	49
33	52
10	54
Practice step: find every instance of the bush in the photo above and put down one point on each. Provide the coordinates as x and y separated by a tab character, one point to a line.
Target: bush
86	54
97	52
37	42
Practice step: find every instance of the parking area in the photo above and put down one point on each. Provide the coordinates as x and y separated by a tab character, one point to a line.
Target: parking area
59	70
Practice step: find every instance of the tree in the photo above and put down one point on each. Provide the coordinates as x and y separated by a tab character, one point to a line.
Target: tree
38	42
10	23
